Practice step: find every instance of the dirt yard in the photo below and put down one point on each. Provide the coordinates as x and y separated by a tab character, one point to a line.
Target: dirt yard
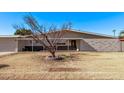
76	66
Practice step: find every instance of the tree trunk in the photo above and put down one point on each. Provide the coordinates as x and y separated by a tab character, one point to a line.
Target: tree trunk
53	54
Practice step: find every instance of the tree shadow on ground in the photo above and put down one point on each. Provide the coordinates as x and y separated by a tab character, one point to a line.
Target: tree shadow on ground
3	65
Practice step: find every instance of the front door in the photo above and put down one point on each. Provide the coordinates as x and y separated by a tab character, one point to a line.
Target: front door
73	45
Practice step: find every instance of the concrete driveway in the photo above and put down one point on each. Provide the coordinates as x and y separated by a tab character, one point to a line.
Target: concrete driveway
5	53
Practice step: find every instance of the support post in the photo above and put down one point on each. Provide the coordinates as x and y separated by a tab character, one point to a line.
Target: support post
32	46
56	47
68	45
121	46
17	47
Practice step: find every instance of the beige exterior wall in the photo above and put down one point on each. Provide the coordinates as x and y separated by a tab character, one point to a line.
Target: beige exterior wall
122	46
84	46
101	45
8	45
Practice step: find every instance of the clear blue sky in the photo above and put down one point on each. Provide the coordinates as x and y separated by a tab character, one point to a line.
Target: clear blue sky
98	22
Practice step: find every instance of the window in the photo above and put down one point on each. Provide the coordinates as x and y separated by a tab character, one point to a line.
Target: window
60	43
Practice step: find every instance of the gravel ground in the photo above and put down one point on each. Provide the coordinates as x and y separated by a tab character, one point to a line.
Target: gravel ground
76	66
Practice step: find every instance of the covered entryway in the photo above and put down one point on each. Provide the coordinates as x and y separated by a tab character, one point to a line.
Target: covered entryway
70	44
31	45
73	45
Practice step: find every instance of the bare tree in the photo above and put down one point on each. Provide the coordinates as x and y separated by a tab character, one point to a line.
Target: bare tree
48	37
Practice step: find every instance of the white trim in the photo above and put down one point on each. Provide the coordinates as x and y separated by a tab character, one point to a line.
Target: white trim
10	36
66	38
49	38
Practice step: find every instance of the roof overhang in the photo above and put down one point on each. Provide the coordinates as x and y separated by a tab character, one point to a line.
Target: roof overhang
92	33
76	31
11	36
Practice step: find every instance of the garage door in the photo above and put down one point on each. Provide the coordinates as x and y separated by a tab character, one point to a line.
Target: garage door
8	45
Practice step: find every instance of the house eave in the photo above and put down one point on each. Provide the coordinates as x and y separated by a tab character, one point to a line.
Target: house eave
11	36
92	33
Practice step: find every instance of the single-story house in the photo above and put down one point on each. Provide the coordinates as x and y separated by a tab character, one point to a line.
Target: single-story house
72	40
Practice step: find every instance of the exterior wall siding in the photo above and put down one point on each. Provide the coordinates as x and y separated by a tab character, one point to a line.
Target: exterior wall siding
122	46
100	45
84	46
8	45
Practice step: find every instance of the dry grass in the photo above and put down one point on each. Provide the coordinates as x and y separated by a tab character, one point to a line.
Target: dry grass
76	66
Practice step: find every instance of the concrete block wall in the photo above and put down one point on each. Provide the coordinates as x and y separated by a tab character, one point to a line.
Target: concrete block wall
101	45
84	46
